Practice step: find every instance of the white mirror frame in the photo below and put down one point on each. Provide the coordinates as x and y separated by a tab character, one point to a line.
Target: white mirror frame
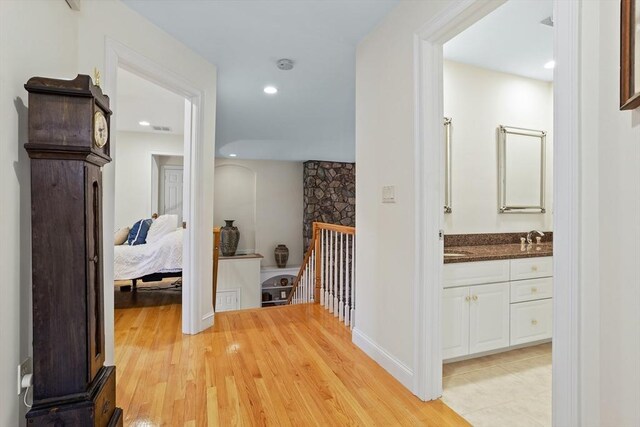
447	165
503	132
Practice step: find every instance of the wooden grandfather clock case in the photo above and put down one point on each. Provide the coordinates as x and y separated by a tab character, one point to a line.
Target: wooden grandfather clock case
68	145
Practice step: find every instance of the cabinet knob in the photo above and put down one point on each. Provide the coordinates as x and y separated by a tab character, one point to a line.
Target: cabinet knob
534	290
475	297
534	322
534	268
467	298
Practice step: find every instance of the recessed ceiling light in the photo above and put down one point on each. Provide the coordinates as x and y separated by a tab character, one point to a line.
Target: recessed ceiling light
144	123
550	65
233	155
270	90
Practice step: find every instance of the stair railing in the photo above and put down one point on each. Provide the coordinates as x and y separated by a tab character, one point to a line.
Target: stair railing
327	275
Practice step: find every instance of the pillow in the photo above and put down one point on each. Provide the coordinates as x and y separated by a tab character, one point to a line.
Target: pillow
138	233
121	236
162	226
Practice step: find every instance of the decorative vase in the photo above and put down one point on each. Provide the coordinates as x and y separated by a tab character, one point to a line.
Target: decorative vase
229	238
281	254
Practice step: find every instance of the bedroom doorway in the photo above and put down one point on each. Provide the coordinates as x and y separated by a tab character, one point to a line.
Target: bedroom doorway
149	196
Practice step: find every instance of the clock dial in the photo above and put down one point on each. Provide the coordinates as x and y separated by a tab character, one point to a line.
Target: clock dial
100	129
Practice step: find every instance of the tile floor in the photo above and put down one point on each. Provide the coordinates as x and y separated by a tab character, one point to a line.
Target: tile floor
508	389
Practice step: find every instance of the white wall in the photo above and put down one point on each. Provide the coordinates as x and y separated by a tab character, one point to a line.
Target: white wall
135	173
478	100
23	55
63	43
279	205
610	340
609	347
385	156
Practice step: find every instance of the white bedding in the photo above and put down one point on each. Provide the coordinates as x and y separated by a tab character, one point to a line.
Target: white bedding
161	256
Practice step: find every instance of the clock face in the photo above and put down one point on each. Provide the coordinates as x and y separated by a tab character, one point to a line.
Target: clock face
100	129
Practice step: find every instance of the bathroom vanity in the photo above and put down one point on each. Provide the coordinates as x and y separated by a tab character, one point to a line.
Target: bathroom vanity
496	296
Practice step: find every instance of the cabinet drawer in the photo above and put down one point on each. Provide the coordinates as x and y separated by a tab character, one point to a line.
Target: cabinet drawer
531	268
531	321
532	289
475	273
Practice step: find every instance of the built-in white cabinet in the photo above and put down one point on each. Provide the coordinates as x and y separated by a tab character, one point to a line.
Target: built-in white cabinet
488	317
490	305
455	322
475	319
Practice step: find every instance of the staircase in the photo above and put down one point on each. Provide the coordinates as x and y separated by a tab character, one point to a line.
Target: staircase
327	274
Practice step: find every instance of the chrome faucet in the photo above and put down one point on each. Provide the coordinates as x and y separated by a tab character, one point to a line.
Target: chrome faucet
531	233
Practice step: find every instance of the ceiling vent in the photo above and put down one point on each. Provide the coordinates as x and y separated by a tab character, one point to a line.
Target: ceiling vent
547	21
161	128
284	64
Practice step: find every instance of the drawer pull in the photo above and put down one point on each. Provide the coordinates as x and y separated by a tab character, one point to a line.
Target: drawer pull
534	322
534	290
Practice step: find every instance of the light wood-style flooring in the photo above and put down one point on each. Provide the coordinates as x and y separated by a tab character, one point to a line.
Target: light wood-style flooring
281	366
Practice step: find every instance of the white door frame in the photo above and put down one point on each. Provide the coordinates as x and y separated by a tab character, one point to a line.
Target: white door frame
429	219
119	55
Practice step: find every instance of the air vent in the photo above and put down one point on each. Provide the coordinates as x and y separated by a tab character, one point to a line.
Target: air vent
161	128
285	64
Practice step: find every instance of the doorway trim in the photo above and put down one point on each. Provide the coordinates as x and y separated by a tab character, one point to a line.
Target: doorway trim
429	217
120	56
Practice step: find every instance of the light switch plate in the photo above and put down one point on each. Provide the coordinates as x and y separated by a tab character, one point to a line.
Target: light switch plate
389	194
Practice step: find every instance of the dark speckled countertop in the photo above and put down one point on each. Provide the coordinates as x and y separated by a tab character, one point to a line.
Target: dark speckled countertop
495	252
493	246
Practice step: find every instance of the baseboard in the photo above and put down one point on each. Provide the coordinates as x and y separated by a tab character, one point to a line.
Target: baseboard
207	321
390	363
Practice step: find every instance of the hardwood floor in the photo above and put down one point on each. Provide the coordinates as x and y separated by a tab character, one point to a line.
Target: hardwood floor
289	366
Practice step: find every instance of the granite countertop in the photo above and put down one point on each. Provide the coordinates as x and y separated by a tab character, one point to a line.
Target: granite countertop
496	252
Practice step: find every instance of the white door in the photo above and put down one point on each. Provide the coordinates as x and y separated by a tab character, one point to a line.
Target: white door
455	322
172	192
489	317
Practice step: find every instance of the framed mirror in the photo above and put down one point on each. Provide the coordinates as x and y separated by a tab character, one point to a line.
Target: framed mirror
447	165
521	170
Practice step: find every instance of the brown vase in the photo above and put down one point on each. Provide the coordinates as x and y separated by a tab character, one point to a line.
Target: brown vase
281	254
229	238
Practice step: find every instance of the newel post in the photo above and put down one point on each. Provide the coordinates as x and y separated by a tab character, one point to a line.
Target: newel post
318	260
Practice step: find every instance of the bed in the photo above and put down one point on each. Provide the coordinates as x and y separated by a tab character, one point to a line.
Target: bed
151	261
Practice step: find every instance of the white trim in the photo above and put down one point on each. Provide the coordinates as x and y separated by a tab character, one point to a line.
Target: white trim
427	383
396	368
194	274
566	221
429	189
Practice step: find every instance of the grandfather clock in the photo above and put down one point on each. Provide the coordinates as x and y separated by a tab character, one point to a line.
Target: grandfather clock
68	145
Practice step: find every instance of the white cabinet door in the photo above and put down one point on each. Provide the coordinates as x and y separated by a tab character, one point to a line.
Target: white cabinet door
489	317
455	322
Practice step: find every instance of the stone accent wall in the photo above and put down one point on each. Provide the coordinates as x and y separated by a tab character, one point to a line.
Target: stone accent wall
329	195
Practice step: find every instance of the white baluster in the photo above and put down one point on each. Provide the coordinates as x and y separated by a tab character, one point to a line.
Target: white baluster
340	277
321	267
336	290
347	293
353	280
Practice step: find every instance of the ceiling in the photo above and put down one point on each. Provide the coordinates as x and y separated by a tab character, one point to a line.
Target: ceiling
511	39
313	114
140	100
